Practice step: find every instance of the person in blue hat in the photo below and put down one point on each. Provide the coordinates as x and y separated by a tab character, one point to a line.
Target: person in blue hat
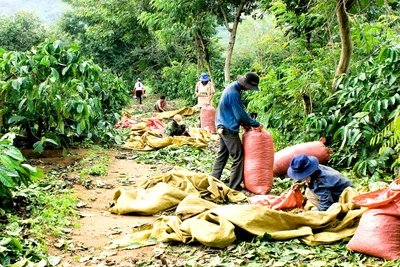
204	90
324	184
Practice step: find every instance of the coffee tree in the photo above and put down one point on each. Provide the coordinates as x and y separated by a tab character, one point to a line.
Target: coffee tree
54	94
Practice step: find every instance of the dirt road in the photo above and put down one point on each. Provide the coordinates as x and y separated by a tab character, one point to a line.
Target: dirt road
86	245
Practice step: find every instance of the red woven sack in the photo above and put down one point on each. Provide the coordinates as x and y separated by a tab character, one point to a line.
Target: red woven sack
258	161
378	231
207	118
293	199
284	156
155	124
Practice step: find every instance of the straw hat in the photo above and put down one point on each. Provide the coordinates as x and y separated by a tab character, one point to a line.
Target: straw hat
178	119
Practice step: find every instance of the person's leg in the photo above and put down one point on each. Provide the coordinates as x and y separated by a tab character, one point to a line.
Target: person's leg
139	94
235	148
221	159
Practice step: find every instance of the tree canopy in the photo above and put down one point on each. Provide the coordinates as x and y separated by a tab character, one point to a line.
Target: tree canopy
321	63
21	31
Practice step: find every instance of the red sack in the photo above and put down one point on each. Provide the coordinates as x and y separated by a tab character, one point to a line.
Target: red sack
207	118
378	231
155	124
284	156
293	199
258	161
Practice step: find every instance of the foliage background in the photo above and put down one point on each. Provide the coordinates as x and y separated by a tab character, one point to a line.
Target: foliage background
68	82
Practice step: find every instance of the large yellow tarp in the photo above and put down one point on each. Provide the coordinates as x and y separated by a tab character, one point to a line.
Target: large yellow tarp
144	139
198	218
165	191
186	111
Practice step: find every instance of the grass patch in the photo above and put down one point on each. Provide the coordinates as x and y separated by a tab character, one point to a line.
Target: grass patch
41	210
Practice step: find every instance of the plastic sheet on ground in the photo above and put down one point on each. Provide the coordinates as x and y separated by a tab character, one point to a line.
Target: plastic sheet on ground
142	139
186	111
199	219
165	191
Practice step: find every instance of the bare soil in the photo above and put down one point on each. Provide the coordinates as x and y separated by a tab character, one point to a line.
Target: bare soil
86	245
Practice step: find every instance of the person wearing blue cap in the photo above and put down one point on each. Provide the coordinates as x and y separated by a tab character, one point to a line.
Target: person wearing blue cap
204	90
324	184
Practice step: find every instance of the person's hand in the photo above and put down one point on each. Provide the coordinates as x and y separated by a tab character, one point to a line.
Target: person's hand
246	128
298	185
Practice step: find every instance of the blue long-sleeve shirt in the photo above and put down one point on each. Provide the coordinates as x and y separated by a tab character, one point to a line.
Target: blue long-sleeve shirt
230	112
328	184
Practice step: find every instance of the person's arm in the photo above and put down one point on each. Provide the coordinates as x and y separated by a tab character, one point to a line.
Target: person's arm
323	190
210	99
158	106
162	107
186	131
211	93
325	199
241	115
168	105
197	89
168	131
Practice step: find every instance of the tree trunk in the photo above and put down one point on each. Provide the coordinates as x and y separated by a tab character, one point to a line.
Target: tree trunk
307	104
232	38
199	55
1	113
345	37
205	52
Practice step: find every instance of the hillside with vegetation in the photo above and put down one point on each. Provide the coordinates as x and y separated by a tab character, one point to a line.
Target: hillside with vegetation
328	69
47	11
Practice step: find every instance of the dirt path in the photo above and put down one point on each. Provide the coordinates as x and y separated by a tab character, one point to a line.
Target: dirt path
86	245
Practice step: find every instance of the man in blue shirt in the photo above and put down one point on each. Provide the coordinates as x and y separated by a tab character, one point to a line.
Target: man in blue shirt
229	117
325	183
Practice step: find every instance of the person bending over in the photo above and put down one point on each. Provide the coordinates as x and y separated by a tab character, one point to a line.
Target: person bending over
323	184
176	127
161	105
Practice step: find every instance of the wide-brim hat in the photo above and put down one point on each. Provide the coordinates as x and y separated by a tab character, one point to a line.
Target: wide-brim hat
204	77
178	119
250	81
302	166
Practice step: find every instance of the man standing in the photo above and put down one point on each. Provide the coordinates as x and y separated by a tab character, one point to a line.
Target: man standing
139	90
230	116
